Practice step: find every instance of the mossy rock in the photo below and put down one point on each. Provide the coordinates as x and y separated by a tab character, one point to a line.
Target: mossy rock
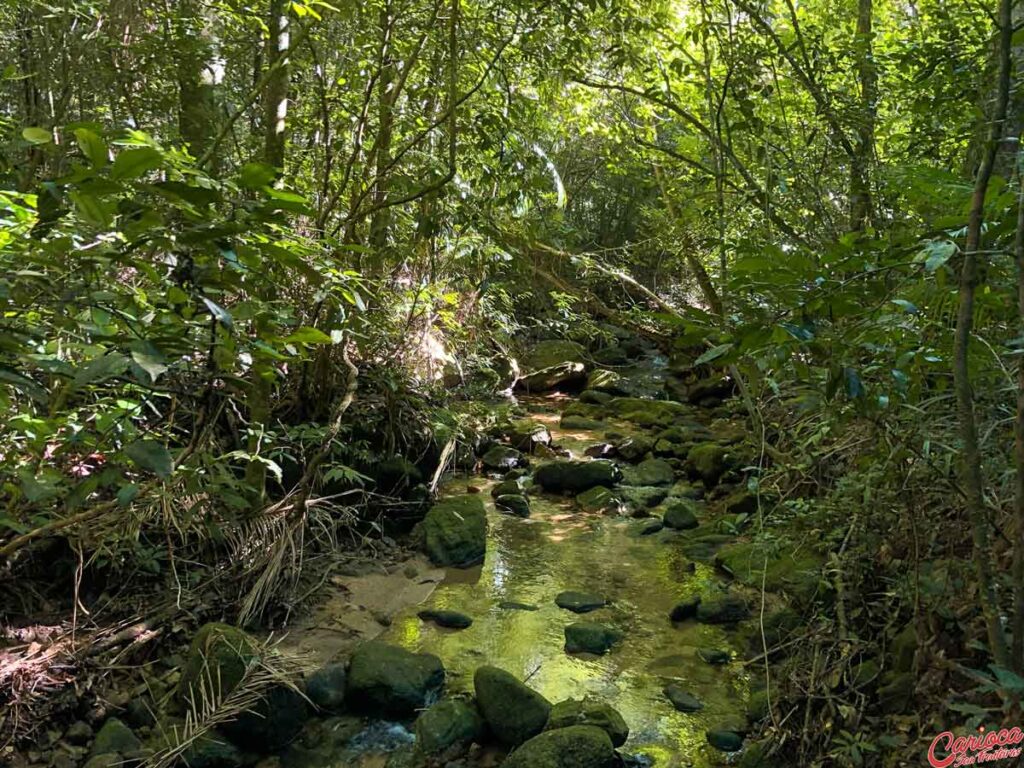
576	476
703	543
503	458
594	397
510	487
681	699
513	711
448	725
115	738
525	435
639	500
723	609
725	740
794	571
211	750
757	706
515	503
578	746
455	531
386	680
396	473
590	637
553	364
217	660
599	499
635	448
571	421
681	515
685	609
709	461
271	723
570	712
326	687
580	602
648	413
650	472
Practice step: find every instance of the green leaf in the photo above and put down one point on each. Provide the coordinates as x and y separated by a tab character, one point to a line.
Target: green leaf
92	209
92	146
938	252
308	335
35	135
99	369
127	494
132	163
149	359
222	315
256	175
151	455
713	354
906	306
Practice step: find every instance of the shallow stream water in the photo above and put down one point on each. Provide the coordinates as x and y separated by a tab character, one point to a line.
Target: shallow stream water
559	548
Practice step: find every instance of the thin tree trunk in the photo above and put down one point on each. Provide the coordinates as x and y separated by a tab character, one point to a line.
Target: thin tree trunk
196	105
276	96
380	221
861	210
973	481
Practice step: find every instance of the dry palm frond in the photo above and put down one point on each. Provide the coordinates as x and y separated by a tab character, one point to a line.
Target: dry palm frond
210	707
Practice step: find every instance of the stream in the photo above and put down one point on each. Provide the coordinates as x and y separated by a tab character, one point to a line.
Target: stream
559	547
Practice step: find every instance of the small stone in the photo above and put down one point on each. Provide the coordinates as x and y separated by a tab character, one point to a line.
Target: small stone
590	637
411	571
511	605
726	741
652	526
685	609
681	515
78	733
579	602
714	655
447	724
117	737
681	699
448	619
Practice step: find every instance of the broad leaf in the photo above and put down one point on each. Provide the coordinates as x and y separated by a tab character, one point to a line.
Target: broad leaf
132	163
151	455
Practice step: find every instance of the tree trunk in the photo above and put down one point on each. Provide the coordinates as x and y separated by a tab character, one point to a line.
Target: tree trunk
1018	541
197	109
973	482
276	96
380	221
861	210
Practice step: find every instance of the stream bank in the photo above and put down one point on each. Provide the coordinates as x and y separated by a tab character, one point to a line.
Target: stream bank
586	597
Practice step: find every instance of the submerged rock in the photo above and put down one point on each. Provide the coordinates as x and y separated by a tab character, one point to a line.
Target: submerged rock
387	680
515	503
448	724
681	699
511	605
449	619
579	602
578	746
589	712
590	637
513	711
576	476
455	531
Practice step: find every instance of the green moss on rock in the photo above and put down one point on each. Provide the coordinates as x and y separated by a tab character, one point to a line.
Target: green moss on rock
513	711
570	712
578	746
217	660
455	531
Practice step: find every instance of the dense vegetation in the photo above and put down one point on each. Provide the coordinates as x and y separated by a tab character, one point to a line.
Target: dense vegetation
263	264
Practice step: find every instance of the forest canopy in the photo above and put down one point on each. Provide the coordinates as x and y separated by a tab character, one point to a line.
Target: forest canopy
271	270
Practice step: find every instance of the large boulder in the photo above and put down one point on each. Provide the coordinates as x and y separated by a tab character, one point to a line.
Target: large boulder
513	711
578	746
570	712
448	725
552	364
599	499
649	472
527	435
387	680
217	660
681	514
638	500
649	413
576	476
455	531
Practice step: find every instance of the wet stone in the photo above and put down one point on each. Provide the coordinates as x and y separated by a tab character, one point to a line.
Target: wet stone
511	605
726	741
723	609
515	503
681	699
580	602
652	526
447	619
685	609
590	637
714	656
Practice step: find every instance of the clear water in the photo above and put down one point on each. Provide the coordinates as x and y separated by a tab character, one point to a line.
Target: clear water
561	548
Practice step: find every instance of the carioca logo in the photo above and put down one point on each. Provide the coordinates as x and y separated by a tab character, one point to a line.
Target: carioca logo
975	749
